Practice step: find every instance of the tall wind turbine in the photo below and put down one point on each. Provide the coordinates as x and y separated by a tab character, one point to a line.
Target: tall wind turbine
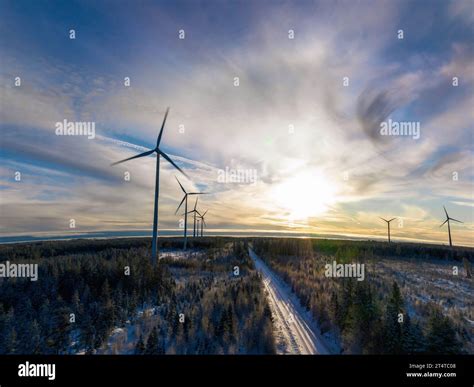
159	153
203	222
388	226
449	227
185	200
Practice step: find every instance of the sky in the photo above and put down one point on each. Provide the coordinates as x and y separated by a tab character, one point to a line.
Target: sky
290	96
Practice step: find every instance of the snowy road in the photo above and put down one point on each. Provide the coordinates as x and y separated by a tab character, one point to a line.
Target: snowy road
295	329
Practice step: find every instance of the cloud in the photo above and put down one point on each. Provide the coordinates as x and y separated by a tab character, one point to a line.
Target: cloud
462	10
73	160
290	113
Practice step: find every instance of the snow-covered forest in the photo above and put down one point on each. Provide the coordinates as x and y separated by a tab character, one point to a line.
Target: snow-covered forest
105	297
409	302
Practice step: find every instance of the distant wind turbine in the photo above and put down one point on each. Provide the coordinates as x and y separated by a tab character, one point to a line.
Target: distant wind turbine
203	222
185	200
449	227
159	153
195	212
388	226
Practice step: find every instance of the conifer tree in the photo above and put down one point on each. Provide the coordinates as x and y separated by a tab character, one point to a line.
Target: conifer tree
140	346
152	343
413	340
441	336
393	330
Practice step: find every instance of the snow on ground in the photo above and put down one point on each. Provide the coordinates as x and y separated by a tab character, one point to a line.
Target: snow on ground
176	254
429	281
295	330
122	340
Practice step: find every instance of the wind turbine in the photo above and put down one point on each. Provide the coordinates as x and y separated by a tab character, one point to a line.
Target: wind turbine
159	153
388	226
185	200
449	227
203	222
195	212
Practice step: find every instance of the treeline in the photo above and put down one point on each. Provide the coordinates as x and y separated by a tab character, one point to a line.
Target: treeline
357	249
360	315
49	249
394	250
284	246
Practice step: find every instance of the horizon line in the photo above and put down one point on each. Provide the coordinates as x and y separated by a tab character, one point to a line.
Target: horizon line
108	234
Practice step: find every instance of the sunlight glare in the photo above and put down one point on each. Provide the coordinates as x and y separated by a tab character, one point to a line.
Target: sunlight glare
304	195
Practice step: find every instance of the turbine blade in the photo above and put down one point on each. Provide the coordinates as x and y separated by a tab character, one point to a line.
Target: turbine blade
392	219
165	156
385	220
446	212
203	215
162	127
195	204
182	189
455	220
198	193
180	204
134	157
443	223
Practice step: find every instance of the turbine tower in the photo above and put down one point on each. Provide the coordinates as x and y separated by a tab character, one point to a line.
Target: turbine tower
185	200
388	226
203	222
159	153
195	212
449	227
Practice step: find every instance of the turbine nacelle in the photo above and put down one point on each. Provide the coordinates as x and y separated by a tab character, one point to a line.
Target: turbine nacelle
186	194
448	218
202	217
156	150
388	226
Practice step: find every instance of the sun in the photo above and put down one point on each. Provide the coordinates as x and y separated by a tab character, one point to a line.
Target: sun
304	195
